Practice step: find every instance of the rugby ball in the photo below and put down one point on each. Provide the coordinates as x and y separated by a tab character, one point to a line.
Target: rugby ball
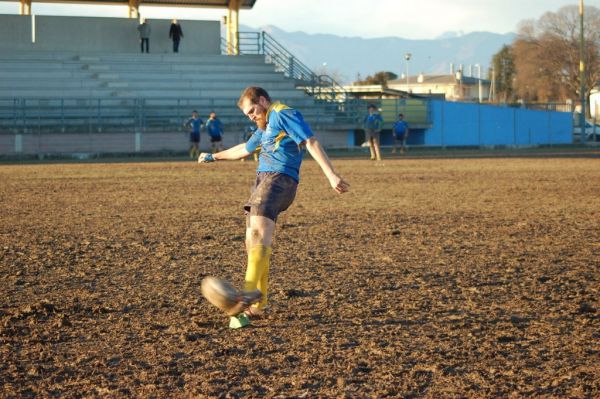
220	293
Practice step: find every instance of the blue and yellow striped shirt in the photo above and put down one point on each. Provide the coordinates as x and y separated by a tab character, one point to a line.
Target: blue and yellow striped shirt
281	143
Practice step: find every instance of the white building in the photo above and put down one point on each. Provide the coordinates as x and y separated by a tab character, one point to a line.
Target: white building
595	103
455	87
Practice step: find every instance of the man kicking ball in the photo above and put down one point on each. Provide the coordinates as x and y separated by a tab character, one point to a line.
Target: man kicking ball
281	137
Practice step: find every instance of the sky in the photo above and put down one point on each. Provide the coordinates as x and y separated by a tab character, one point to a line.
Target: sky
409	19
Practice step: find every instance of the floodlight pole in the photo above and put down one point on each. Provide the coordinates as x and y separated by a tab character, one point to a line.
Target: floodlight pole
479	81
407	58
582	73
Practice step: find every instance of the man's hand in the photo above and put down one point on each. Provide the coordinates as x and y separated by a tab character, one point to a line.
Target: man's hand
206	157
338	184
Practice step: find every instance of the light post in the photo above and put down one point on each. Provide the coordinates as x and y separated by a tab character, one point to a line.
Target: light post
582	72
492	96
407	58
479	80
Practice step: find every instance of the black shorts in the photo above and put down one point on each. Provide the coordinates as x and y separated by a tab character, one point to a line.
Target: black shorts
195	137
271	194
372	134
215	139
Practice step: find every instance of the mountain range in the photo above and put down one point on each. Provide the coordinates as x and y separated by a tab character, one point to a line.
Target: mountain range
348	58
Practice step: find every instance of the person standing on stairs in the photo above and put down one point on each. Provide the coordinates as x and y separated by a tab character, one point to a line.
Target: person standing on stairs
175	33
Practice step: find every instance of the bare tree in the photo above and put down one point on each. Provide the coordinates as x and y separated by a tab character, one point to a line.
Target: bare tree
335	74
546	55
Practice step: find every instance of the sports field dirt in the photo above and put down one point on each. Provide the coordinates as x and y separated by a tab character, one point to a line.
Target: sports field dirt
432	278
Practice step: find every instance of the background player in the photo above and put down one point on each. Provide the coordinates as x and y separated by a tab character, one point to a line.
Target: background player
400	130
194	124
214	128
373	123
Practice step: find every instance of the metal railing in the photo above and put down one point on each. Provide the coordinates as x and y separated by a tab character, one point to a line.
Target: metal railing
98	115
321	87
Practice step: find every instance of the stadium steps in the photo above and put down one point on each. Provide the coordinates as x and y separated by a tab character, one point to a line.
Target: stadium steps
67	90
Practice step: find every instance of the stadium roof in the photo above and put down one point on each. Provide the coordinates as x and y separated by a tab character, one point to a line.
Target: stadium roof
436	79
243	4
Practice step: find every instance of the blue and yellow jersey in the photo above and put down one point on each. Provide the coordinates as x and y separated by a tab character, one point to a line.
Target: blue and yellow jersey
373	122
214	127
194	125
400	127
281	142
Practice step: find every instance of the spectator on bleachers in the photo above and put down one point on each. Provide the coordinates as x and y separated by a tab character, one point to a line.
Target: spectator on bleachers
214	128
194	124
175	33
373	123
144	29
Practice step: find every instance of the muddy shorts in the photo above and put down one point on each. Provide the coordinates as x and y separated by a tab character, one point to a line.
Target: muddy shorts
372	134
271	194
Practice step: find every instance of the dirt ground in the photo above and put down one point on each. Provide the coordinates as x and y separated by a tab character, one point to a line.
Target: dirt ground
432	278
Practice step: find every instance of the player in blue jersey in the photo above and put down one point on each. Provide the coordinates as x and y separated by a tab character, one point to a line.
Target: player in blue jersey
194	124
214	128
281	138
373	123
400	130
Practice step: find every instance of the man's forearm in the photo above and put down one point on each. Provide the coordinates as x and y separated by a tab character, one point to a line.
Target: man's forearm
233	153
318	153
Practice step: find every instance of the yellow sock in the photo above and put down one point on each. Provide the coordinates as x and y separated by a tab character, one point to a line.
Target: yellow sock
257	273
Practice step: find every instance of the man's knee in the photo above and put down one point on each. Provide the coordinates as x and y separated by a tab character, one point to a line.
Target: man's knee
255	234
259	231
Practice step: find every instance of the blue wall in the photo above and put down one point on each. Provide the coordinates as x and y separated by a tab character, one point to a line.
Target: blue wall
464	124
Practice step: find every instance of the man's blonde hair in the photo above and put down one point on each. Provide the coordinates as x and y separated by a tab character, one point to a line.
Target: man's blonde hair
253	93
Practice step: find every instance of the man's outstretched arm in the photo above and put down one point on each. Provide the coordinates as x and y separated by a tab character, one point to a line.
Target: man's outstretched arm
231	154
318	153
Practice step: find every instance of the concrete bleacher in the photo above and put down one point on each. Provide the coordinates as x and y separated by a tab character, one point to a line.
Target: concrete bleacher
65	87
137	75
74	75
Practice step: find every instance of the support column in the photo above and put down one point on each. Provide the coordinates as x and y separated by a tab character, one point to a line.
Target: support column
134	9
233	46
228	31
25	7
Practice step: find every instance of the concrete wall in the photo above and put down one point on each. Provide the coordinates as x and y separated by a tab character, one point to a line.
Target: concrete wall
94	34
96	143
129	142
15	32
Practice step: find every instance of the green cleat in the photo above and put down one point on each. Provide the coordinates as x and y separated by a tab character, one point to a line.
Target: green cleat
239	321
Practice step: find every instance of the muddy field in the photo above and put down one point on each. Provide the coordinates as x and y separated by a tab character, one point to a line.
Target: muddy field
432	278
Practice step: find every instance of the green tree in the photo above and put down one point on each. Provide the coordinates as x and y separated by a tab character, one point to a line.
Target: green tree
503	66
379	78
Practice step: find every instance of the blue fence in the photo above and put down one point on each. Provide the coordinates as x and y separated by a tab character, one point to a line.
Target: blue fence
462	124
